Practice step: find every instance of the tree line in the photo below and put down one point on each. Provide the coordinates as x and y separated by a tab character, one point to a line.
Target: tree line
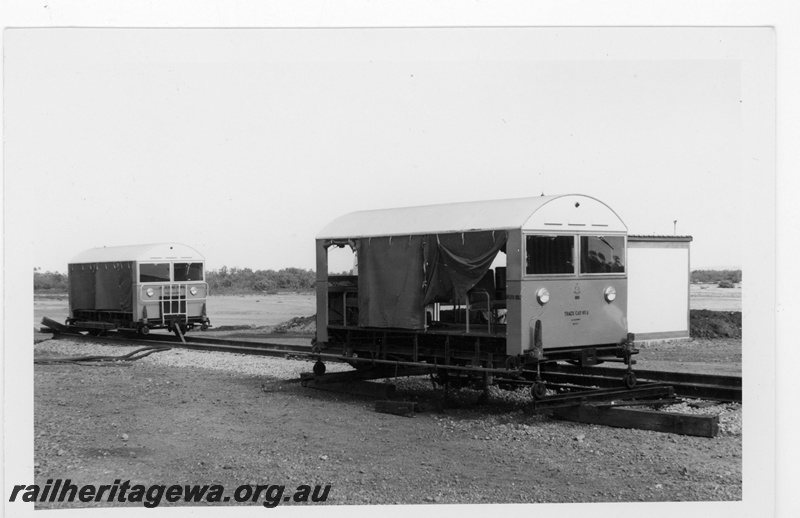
49	281
245	280
223	281
717	276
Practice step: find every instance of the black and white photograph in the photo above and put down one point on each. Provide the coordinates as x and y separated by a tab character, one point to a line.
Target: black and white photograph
330	267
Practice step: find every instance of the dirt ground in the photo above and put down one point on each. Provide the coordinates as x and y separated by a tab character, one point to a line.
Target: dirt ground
710	296
211	421
187	417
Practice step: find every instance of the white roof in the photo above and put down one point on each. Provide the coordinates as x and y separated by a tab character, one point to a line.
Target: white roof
152	252
568	212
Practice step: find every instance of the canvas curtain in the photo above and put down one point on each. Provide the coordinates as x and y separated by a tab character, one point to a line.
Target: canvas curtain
398	276
101	286
390	282
113	285
81	286
455	263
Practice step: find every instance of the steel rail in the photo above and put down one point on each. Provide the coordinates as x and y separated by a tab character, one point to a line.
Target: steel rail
676	377
682	388
701	386
205	344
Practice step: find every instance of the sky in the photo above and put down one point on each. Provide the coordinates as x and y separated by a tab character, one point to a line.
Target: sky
244	144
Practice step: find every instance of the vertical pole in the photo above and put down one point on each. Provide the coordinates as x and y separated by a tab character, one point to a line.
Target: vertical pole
322	292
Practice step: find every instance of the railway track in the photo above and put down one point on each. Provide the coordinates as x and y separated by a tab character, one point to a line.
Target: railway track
688	385
589	395
699	386
210	344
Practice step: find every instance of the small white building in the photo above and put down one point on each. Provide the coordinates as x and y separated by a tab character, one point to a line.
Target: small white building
658	287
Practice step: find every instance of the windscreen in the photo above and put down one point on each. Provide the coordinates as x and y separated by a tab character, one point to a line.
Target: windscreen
549	254
188	272
602	254
154	272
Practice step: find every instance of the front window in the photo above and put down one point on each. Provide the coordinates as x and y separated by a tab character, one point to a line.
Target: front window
549	254
188	272
154	272
602	254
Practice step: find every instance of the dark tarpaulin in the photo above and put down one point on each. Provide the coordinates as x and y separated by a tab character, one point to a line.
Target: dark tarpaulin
106	295
81	286
390	282
457	262
125	273
114	286
101	286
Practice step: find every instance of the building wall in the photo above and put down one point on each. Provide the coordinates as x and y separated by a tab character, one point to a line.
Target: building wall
658	288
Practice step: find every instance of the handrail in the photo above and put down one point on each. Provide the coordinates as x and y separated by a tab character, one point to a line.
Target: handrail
344	305
488	308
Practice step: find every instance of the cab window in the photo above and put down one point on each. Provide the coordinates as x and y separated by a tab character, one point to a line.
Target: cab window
154	272
188	272
602	254
549	254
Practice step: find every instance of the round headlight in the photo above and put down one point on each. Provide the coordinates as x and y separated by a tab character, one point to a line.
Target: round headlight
193	291
149	292
543	296
610	294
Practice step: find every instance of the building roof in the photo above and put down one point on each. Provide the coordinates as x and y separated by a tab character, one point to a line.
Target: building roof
569	212
151	252
640	237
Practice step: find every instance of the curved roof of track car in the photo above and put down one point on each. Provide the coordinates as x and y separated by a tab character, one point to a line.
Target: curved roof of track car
138	253
564	213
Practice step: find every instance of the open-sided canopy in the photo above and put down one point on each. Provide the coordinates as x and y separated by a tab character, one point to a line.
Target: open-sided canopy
138	253
568	212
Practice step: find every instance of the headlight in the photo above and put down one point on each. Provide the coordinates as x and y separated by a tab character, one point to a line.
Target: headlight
149	292
193	291
543	296
610	294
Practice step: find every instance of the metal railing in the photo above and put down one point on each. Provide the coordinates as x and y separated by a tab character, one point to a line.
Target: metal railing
173	302
172	299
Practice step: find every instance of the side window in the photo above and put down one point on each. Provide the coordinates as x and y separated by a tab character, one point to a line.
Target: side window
602	254
154	272
549	254
188	272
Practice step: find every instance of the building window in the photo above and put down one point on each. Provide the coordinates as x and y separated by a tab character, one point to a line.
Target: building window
602	254
549	254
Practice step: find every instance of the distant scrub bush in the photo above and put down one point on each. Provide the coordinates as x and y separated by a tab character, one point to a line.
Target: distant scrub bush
49	281
717	276
244	280
222	281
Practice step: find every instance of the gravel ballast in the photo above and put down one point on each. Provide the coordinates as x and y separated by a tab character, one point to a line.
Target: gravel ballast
183	416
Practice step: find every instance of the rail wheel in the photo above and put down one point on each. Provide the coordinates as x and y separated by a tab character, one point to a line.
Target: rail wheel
144	330
630	379
513	363
442	377
319	368
538	390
